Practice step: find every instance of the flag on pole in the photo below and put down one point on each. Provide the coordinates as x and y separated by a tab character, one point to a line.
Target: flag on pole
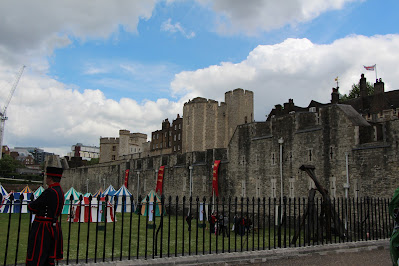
160	180
215	177
371	68
126	177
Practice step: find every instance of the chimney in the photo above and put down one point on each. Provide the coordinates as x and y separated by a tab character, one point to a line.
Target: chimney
278	108
363	86
335	95
379	87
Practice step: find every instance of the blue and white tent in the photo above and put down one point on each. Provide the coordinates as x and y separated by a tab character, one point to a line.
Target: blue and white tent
38	192
110	191
67	197
123	206
3	191
16	206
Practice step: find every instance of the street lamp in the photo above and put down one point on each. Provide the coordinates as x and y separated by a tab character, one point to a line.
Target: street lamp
191	180
138	184
281	141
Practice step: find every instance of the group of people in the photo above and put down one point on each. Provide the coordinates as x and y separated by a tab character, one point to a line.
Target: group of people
219	224
241	225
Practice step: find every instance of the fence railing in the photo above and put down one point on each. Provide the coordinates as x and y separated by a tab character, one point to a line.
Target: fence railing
119	228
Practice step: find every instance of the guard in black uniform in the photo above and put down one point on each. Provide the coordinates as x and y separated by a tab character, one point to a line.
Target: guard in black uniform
45	243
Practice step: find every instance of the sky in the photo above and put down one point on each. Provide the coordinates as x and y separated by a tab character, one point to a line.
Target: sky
95	67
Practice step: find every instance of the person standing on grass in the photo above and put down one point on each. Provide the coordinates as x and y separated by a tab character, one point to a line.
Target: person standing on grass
45	243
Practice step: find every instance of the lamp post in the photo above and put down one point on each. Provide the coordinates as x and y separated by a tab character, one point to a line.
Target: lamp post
281	141
191	180
138	184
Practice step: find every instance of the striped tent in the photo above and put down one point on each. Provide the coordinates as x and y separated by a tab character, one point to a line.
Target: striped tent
38	192
123	206
98	193
3	191
110	191
67	196
87	195
16	206
26	190
92	212
148	209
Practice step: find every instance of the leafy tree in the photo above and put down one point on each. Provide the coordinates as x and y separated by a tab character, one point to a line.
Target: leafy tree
93	161
355	91
9	164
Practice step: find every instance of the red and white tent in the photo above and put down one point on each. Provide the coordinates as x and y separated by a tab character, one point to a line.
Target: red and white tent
96	211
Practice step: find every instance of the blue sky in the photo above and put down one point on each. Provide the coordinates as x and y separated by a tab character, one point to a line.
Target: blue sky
131	65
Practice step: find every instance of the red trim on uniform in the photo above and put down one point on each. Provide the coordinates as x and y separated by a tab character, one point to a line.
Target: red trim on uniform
31	209
51	174
34	247
54	184
41	247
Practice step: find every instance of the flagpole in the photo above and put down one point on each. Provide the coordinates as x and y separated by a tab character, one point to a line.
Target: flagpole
376	78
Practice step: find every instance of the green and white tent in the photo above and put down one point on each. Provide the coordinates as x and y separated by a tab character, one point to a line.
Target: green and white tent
67	203
148	208
38	192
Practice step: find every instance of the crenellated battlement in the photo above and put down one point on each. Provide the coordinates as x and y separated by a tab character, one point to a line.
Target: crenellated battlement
109	140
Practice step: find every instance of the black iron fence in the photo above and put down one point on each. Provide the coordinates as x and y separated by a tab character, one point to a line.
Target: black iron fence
118	228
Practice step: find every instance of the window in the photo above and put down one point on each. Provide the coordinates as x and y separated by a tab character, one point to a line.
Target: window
356	188
258	195
333	187
311	183
174	148
273	159
273	188
178	147
179	126
113	148
175	127
291	187
178	137
113	157
166	134
174	137
243	189
310	155
157	136
331	153
157	146
160	145
170	133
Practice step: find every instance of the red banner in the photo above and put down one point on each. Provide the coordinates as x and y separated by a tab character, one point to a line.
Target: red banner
126	177
215	178
160	180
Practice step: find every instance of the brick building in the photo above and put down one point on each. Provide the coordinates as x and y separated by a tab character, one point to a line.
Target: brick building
112	149
168	139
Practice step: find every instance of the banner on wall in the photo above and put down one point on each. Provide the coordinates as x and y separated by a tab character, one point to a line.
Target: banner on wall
160	180
126	177
215	187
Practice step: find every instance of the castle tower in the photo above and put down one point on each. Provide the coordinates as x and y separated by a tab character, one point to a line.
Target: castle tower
209	125
124	136
240	106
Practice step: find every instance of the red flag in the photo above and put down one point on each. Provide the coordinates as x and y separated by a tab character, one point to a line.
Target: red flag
215	177
126	177
160	180
369	67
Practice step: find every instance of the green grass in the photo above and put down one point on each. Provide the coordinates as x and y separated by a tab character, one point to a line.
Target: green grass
77	244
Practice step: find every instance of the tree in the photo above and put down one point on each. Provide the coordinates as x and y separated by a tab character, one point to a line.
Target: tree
355	91
93	161
9	164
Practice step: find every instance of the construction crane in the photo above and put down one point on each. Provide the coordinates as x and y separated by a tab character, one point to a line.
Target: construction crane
3	116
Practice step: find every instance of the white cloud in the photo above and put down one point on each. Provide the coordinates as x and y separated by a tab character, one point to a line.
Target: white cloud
31	30
173	28
264	15
296	68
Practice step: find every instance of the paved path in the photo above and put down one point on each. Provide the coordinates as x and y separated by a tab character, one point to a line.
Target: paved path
374	253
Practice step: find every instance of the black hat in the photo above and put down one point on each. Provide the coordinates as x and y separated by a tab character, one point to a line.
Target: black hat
54	171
